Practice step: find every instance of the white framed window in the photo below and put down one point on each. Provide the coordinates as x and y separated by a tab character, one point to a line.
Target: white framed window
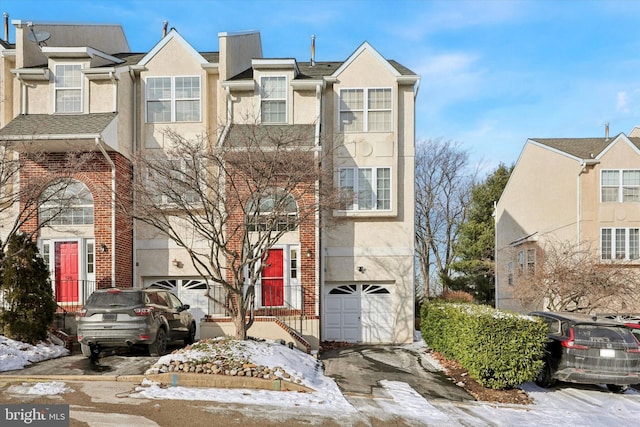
173	99
531	261
66	203
520	262
273	211
68	88
172	182
273	106
620	185
366	189
510	273
365	110
620	243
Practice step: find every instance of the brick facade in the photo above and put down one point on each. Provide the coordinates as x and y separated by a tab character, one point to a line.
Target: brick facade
95	173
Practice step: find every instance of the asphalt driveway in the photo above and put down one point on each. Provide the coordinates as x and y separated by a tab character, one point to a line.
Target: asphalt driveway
358	369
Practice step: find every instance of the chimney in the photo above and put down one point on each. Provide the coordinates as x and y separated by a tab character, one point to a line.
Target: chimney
164	28
606	130
6	26
313	50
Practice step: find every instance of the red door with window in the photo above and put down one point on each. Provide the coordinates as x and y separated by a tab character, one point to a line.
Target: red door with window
66	271
273	279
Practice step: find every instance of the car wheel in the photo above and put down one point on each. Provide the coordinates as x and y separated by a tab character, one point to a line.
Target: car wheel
159	347
614	388
85	349
545	376
191	335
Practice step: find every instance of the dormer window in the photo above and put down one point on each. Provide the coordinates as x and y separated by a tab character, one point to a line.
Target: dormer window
68	88
274	99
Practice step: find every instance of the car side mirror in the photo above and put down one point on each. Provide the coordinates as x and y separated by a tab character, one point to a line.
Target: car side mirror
185	307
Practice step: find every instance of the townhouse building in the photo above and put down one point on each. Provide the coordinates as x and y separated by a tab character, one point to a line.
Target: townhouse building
347	275
583	192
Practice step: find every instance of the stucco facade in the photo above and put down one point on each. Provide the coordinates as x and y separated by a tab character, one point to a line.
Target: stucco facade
85	91
555	194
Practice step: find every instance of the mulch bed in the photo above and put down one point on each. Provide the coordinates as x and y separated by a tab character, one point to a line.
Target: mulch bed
461	377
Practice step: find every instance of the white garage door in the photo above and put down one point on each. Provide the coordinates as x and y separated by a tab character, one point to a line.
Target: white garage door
190	291
358	313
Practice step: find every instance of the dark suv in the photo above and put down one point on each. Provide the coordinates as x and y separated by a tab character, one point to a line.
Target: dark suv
125	317
589	349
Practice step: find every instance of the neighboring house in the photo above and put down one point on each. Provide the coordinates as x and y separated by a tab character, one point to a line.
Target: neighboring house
346	276
584	191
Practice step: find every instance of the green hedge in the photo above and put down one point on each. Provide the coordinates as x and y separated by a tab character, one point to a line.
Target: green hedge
499	349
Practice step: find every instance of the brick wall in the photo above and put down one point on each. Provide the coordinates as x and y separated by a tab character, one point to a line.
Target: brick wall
95	172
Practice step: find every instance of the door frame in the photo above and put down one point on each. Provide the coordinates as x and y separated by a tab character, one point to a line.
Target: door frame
86	247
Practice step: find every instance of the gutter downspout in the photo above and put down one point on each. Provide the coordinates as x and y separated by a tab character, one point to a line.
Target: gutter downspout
495	253
583	168
113	209
134	141
227	125
317	251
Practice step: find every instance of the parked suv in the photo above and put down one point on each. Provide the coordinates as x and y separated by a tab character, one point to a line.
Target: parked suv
589	350
125	317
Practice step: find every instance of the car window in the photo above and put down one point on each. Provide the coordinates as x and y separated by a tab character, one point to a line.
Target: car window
174	301
114	299
604	334
157	298
553	325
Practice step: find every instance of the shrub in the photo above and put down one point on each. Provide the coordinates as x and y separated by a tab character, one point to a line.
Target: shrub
29	302
456	296
498	348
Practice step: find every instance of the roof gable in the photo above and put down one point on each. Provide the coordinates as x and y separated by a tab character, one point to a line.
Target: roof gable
173	35
366	47
585	148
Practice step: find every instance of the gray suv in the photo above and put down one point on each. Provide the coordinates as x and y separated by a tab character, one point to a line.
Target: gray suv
126	317
589	349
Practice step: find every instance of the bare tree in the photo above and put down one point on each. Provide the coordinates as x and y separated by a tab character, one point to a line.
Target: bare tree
572	277
23	195
227	204
444	180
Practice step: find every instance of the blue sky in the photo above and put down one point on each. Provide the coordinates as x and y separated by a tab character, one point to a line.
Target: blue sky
494	73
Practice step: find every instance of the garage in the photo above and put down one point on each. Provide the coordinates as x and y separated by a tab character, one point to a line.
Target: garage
358	313
190	291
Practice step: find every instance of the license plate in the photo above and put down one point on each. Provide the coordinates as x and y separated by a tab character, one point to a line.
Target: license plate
607	352
109	316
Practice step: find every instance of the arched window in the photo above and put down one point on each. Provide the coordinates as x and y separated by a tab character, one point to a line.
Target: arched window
272	211
66	203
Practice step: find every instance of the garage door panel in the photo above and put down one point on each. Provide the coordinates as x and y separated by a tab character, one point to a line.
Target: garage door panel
359	313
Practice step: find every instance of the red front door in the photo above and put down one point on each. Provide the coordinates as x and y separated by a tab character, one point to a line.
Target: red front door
66	271
273	279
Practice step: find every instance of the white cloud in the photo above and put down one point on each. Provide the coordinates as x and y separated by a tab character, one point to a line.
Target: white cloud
622	103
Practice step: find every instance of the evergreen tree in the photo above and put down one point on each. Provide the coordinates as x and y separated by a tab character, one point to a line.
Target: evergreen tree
29	304
476	246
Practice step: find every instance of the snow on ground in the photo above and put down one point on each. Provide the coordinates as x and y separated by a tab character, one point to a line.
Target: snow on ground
17	355
567	405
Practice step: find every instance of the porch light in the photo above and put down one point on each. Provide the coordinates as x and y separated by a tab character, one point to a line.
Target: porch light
103	247
308	253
